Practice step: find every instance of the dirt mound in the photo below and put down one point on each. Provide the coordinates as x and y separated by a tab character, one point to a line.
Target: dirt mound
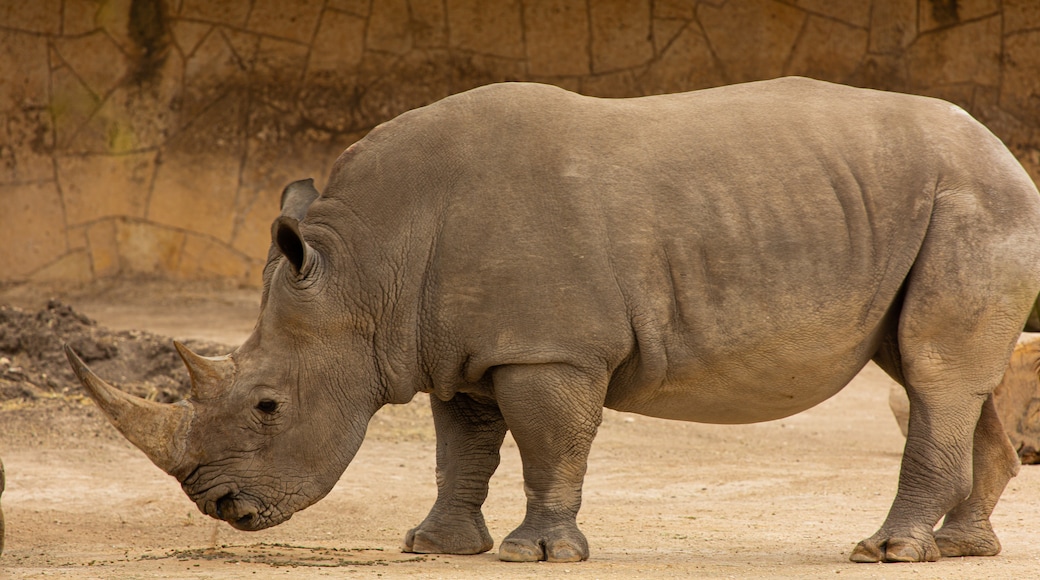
33	365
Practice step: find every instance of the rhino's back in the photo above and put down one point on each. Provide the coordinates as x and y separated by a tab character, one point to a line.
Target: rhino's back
709	248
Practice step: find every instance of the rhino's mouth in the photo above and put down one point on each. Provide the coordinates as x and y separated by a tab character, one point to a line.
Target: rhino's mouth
244	513
238	509
245	508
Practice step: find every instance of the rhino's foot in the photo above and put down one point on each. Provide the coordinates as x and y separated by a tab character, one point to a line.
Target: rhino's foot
976	540
896	549
563	544
462	536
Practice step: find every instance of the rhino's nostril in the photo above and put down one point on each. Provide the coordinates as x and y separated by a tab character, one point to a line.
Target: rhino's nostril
238	513
225	506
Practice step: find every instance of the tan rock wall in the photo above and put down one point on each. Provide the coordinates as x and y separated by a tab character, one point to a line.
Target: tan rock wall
154	136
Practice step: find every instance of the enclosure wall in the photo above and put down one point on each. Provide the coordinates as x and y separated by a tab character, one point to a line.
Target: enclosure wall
154	136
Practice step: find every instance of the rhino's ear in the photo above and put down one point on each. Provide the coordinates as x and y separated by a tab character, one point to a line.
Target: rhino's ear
285	233
297	197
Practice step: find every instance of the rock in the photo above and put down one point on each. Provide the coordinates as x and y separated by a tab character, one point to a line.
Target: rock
33	364
2	484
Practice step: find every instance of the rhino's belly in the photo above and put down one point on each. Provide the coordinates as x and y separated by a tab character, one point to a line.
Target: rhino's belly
735	392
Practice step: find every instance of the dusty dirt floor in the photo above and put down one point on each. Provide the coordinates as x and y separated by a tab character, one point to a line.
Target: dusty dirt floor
663	499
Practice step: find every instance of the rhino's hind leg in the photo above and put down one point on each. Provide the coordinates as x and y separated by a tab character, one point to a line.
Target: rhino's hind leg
935	476
966	530
469	436
956	330
553	412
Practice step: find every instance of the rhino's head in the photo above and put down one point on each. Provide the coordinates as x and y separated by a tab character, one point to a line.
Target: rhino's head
268	429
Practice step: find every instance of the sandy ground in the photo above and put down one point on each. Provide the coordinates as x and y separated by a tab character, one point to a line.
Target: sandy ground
663	499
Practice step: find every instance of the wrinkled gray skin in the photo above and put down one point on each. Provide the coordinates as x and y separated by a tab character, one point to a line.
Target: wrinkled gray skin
529	256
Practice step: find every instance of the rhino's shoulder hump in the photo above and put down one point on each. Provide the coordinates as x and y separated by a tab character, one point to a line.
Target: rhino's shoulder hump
493	101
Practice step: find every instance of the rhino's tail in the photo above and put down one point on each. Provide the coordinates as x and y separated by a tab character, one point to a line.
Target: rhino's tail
1033	322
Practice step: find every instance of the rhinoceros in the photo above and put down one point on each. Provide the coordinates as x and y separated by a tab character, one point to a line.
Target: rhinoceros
529	256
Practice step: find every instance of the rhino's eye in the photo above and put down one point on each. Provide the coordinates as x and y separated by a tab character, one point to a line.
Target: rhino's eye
267	406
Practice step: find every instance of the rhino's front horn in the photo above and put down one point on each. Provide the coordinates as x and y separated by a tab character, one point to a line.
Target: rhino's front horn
158	429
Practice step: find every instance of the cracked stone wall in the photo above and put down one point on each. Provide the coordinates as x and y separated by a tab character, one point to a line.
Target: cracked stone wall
153	137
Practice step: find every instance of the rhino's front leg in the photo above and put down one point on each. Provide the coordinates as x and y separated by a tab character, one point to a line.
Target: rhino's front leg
469	436
553	412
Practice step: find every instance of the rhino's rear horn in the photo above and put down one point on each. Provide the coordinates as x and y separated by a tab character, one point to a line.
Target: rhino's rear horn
158	429
210	375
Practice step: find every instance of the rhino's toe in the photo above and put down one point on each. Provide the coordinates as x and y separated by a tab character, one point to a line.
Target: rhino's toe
564	544
566	551
867	552
955	541
520	550
895	549
911	550
431	538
